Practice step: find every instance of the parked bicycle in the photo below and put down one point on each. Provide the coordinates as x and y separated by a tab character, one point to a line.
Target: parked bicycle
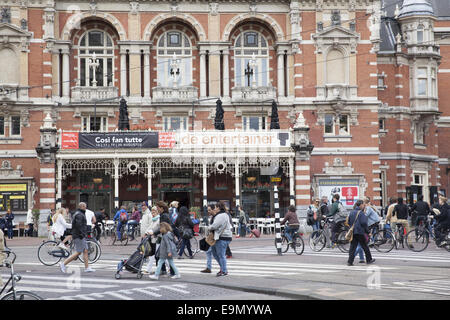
383	239
49	252
12	293
297	243
319	238
400	235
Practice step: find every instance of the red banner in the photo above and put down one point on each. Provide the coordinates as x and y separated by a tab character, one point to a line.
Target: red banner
166	140
69	140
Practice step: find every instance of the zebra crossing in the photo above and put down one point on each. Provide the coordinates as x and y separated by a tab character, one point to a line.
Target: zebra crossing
438	286
440	256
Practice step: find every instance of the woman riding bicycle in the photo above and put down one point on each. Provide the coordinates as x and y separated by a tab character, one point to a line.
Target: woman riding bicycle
294	224
60	227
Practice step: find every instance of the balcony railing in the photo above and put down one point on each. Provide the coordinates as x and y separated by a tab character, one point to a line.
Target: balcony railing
252	94
83	94
337	91
169	94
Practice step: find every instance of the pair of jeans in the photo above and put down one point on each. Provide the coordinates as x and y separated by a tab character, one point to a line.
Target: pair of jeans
185	243
316	225
361	240
161	262
132	225
209	258
289	232
218	251
119	226
359	251
10	232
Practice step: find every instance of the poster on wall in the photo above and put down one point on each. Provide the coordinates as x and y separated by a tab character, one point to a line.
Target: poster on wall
13	196
348	189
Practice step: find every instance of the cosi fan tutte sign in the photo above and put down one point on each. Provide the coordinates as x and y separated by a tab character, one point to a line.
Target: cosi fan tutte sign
174	140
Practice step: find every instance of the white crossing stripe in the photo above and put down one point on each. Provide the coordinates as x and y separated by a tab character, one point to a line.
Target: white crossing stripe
146	291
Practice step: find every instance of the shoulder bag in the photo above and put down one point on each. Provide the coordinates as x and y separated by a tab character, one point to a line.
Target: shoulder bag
210	239
349	234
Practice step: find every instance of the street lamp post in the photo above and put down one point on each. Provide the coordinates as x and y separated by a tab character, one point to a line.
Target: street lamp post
199	100
94	64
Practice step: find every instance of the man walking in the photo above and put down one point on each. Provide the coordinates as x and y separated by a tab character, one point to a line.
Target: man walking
79	233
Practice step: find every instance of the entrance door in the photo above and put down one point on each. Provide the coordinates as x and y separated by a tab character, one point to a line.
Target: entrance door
96	201
183	198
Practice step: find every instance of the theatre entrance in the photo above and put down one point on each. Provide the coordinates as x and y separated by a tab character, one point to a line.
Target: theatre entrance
183	198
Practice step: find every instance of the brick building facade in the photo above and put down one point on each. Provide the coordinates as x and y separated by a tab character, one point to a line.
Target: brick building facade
355	70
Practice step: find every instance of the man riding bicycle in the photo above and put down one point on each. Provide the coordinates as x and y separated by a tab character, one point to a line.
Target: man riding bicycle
339	215
294	224
122	217
443	222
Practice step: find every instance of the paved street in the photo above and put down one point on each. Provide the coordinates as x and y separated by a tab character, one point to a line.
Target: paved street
256	272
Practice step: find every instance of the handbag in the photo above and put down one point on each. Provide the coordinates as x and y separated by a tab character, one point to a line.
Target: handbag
204	246
349	234
210	239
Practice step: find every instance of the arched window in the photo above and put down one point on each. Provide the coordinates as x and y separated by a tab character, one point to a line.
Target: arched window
174	46
248	45
100	43
336	67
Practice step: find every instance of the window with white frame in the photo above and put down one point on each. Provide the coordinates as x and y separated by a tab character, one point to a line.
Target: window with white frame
256	123
173	123
14	128
433	83
174	46
337	125
420	33
2	125
100	43
422	81
251	45
91	123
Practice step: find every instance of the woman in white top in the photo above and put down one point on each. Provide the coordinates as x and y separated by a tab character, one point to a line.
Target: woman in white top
60	226
153	226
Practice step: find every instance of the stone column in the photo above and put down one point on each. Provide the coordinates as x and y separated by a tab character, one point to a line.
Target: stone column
280	73
291	182
236	174
202	74
66	74
149	182
59	165
205	193
123	74
146	75
116	182
226	75
303	148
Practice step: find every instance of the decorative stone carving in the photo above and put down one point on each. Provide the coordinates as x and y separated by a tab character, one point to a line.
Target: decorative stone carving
338	168
6	15
93	7
300	122
134	7
214	8
47	146
24	24
319	5
252	8
174	8
25	117
7	171
336	18
49	20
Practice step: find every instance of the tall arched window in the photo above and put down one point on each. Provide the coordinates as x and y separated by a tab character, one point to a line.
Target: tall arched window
420	34
174	45
336	67
9	64
247	45
100	43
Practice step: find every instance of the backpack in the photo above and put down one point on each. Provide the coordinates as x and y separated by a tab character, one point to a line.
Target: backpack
123	217
309	217
341	214
50	220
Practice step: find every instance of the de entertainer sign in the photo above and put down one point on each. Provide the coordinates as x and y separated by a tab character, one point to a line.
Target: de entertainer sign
240	139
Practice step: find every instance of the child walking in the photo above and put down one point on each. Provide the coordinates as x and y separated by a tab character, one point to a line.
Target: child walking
167	250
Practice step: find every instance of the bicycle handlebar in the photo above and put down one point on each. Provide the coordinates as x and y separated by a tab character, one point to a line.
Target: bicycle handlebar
8	253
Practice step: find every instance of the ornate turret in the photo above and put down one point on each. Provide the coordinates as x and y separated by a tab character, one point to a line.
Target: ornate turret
415	8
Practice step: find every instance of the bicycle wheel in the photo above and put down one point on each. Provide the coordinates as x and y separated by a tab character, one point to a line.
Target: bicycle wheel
298	245
194	247
417	240
383	241
21	295
125	239
46	253
94	252
284	244
342	243
317	241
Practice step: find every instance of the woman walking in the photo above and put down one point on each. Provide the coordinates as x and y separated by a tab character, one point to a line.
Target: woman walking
223	236
151	225
60	227
185	225
167	250
358	220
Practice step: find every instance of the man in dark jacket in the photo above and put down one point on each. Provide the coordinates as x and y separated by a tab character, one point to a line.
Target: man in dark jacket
359	233
79	233
184	221
420	210
443	221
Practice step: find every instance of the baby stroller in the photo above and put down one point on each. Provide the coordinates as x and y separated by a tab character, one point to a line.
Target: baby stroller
134	263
